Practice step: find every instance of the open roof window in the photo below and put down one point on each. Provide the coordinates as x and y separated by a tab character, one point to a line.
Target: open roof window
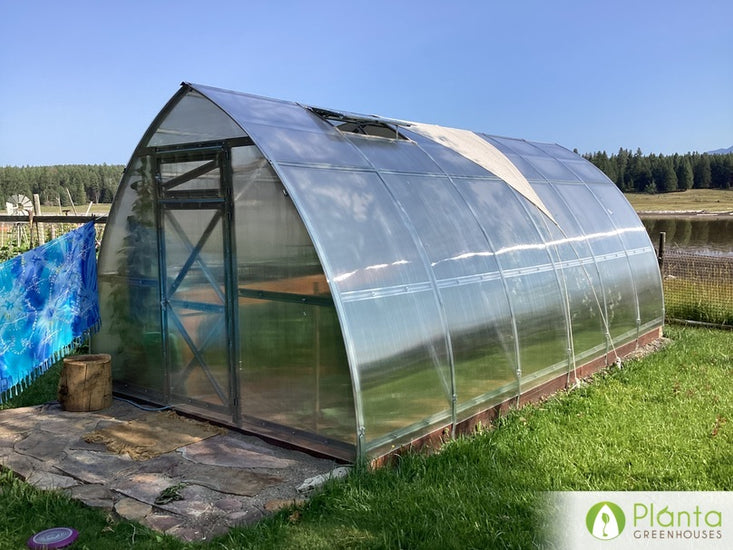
361	124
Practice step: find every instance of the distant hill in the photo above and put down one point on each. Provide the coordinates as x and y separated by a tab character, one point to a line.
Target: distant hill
721	151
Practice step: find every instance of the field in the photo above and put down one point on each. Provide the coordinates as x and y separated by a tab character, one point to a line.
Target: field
692	200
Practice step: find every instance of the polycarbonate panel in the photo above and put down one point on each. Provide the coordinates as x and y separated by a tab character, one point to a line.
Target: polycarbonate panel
398	344
620	296
593	219
649	290
641	254
394	154
586	306
552	169
527	169
623	217
134	197
587	172
567	237
557	151
246	108
453	240
194	118
294	372
513	236
196	321
472	294
358	223
521	163
532	283
531	160
538	307
390	312
273	246
130	331
482	340
580	276
610	254
579	281
304	147
520	147
210	180
129	294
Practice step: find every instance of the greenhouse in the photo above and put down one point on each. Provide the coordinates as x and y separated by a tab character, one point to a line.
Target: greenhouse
352	284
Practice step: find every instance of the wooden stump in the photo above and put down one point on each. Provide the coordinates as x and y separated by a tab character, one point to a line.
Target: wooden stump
86	383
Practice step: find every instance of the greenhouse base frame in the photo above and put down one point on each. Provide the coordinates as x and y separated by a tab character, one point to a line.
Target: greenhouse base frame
564	381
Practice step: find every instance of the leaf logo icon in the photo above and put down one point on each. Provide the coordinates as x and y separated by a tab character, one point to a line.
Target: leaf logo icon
605	520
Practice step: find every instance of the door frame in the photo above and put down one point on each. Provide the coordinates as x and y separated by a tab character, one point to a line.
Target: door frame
217	155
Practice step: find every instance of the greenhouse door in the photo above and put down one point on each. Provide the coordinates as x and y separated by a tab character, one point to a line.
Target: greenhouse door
197	278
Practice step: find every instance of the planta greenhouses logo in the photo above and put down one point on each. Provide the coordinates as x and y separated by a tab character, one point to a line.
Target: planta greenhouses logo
605	520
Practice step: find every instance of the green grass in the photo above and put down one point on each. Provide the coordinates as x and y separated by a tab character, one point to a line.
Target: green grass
709	302
664	422
41	390
698	288
26	510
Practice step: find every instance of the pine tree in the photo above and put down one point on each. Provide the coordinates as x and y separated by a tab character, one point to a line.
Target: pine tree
702	176
683	169
641	172
667	181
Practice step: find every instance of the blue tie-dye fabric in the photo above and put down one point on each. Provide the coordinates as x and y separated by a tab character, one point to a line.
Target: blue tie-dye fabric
48	301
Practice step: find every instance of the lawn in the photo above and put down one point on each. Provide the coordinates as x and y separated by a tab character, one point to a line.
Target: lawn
664	422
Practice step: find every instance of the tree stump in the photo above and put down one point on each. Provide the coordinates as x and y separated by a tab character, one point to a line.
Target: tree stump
86	383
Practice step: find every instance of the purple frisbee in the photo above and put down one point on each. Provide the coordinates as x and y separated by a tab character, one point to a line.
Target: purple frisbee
56	537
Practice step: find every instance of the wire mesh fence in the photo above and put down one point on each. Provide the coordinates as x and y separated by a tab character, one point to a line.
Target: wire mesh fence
697	287
19	234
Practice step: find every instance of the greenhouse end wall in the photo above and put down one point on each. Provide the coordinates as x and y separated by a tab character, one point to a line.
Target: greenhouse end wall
352	284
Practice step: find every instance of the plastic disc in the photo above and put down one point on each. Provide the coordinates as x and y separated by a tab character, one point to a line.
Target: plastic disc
56	537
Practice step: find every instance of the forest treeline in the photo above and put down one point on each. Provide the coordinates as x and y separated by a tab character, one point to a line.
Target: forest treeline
85	182
638	173
632	172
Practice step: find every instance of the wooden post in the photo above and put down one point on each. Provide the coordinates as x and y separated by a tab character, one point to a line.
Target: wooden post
71	201
86	383
40	228
660	255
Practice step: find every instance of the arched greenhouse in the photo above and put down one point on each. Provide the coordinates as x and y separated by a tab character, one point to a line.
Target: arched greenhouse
351	284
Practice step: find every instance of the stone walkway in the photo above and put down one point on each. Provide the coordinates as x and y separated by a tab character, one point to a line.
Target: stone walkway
226	480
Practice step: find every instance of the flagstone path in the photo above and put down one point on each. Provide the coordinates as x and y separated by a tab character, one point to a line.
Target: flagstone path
226	480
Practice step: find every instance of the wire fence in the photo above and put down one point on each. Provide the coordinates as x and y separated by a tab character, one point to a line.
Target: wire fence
19	234
697	288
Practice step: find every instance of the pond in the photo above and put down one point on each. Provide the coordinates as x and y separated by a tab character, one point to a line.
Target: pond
703	234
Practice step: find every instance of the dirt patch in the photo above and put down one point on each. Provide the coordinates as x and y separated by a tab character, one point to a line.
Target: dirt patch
648	349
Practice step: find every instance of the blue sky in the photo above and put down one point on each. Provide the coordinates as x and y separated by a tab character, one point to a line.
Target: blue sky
82	80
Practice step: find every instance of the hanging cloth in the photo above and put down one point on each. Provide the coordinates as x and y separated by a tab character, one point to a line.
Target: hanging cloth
48	301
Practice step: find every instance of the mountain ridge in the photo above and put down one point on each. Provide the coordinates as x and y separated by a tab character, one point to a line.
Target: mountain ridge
721	151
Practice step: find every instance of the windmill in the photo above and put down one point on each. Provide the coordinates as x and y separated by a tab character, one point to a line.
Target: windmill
19	205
